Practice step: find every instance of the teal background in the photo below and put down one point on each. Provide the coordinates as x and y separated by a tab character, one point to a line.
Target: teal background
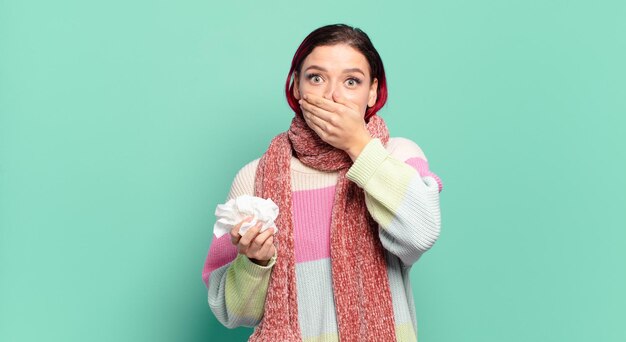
123	123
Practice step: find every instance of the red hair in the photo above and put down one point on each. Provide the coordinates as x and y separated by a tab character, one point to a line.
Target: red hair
337	34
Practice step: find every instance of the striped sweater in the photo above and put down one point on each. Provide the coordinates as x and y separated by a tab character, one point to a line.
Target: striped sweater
401	194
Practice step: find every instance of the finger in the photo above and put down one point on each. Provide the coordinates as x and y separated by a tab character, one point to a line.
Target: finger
234	232
271	248
264	252
234	239
344	101
315	127
323	125
247	238
235	229
319	112
256	247
259	240
321	102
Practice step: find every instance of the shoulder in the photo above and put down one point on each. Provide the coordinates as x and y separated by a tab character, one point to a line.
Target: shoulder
404	149
249	169
243	184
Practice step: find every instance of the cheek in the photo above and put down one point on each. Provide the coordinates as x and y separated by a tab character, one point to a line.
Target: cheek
360	98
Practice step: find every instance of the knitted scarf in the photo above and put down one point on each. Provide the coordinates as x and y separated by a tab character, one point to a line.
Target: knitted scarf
360	285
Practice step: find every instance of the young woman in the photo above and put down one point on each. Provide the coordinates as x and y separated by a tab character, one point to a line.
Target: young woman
357	209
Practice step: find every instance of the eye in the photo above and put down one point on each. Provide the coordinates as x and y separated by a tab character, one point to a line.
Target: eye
315	78
353	82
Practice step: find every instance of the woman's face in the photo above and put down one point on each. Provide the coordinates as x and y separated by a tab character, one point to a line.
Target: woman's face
337	69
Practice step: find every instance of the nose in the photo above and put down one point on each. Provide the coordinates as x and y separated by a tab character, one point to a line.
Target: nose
330	90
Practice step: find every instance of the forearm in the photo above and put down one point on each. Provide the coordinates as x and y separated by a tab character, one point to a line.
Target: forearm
237	292
405	204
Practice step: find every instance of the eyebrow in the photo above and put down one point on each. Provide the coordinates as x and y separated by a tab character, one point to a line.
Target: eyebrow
344	70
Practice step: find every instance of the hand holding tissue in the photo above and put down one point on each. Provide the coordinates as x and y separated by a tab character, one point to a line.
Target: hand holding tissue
237	209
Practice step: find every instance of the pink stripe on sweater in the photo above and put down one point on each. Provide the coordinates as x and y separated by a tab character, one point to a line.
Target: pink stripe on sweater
221	252
311	239
312	210
421	166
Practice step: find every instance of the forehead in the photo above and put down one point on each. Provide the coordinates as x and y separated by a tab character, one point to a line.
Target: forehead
337	57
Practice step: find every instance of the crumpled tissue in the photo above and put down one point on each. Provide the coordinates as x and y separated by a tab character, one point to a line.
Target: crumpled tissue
237	209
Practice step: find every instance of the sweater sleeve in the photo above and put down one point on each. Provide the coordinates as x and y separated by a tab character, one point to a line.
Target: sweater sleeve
402	195
237	287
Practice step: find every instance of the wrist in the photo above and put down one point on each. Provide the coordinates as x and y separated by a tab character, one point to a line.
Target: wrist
355	150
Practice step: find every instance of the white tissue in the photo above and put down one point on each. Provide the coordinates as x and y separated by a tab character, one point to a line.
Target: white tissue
237	209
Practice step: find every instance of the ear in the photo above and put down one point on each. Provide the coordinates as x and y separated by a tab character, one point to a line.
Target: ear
296	83
373	93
